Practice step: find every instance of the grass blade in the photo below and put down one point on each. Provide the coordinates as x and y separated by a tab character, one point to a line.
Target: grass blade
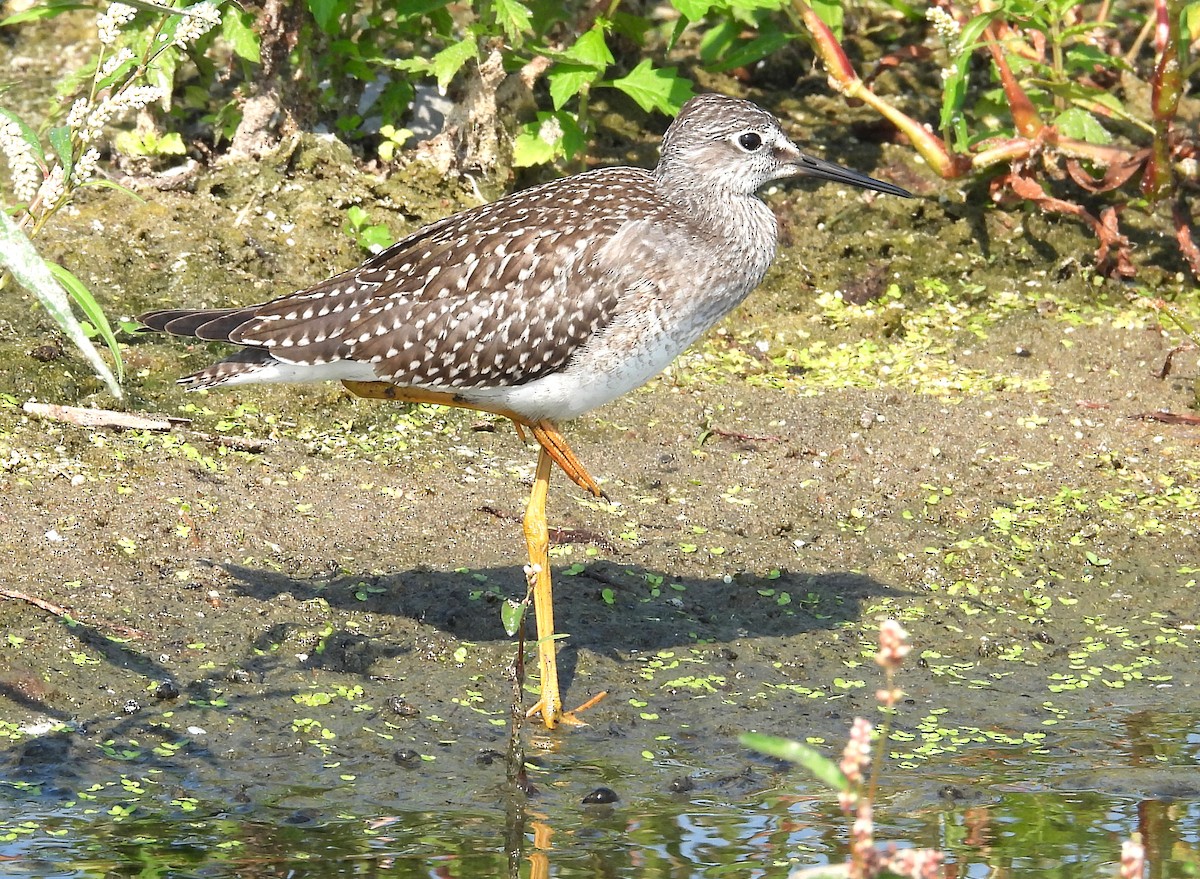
819	766
18	255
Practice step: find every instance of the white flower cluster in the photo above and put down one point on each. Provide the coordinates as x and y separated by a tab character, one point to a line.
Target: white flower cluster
945	24
126	54
550	131
22	164
90	121
52	188
114	18
85	168
197	21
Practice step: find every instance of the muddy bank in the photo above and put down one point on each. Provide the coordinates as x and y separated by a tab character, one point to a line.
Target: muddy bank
931	412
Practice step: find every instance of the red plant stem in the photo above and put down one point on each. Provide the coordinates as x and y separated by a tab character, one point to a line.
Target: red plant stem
1166	87
1025	115
844	79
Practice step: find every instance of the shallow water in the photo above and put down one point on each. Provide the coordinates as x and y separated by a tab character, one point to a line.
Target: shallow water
1058	810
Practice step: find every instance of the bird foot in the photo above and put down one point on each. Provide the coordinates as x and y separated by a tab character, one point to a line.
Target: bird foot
566	718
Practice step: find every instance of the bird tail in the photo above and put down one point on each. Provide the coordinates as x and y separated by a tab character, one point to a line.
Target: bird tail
211	325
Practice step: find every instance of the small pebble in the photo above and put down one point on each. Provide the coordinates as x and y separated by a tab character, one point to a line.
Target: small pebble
166	690
407	757
402	708
681	785
601	796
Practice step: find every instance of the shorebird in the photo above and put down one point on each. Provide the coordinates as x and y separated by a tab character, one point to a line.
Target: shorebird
542	305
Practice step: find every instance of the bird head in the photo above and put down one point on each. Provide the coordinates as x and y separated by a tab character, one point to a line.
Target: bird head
731	144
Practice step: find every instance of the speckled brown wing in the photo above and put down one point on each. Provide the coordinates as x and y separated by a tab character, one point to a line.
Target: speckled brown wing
495	296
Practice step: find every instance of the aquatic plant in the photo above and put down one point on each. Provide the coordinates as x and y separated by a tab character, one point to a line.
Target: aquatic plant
856	776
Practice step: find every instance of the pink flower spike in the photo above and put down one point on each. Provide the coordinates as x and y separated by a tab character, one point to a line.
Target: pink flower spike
893	644
1133	860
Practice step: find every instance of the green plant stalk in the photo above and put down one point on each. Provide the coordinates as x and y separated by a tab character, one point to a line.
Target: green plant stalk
1166	88
883	730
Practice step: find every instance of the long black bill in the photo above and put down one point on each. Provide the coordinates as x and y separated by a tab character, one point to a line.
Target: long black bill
807	166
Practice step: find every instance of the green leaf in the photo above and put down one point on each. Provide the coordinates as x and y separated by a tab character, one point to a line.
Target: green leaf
529	149
375	238
91	310
236	28
446	63
18	255
590	49
551	136
149	143
655	89
60	141
514	18
325	14
567	80
754	50
693	10
511	615
832	13
819	766
1081	125
357	216
44	10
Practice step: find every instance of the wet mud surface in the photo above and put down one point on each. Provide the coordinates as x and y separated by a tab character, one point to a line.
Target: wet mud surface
930	411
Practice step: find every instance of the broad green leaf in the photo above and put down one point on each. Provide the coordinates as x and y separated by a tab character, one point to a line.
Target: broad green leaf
18	255
551	136
514	18
1081	125
45	10
375	238
237	29
325	14
716	41
655	89
446	63
530	150
590	49
416	8
693	10
511	615
754	50
567	80
60	142
91	310
751	5
819	766
150	143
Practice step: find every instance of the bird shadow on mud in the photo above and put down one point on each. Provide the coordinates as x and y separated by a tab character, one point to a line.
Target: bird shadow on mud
608	608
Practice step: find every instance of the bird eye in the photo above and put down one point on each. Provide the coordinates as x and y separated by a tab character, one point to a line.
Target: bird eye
750	141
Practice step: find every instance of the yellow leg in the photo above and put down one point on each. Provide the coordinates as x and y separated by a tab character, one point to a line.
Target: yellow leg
554	449
537	541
